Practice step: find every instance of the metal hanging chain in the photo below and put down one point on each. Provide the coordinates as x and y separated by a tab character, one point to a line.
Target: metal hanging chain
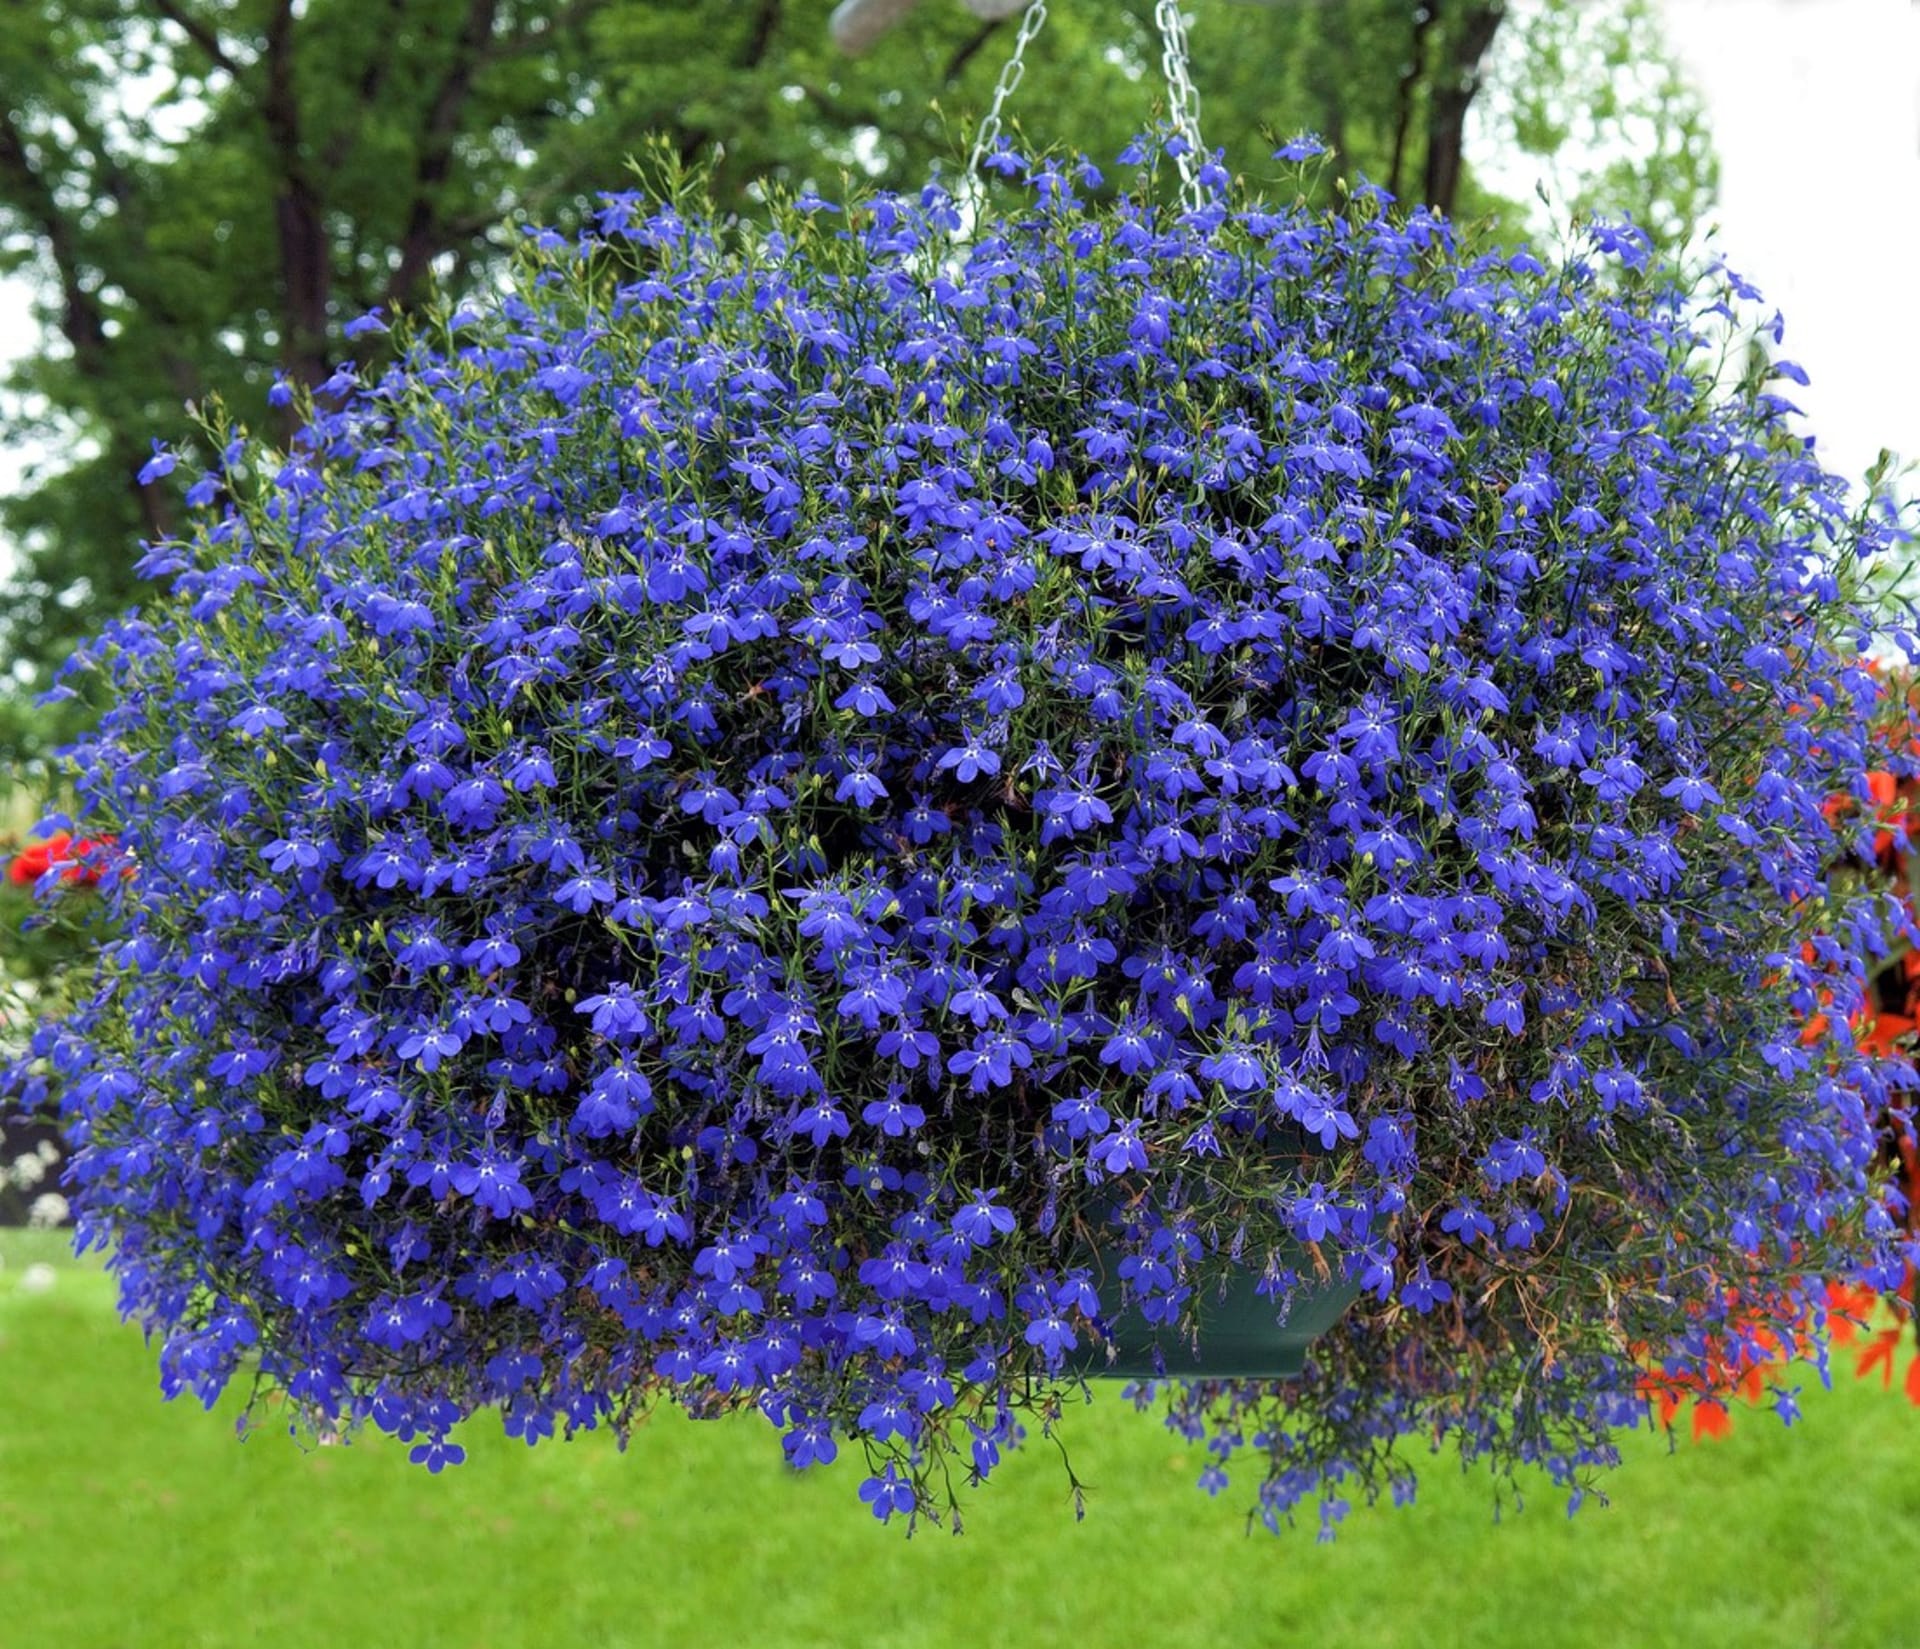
1183	100
1031	22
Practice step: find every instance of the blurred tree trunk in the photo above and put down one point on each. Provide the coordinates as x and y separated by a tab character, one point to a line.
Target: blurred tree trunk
1447	43
1456	79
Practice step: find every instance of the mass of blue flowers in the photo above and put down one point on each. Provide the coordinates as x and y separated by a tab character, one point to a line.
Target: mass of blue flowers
778	816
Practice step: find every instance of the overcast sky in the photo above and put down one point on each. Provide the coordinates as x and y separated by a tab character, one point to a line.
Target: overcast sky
1815	111
1814	107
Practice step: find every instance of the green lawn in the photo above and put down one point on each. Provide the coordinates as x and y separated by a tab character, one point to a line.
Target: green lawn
128	1522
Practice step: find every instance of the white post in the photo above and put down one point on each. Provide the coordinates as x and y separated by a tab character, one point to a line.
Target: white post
857	24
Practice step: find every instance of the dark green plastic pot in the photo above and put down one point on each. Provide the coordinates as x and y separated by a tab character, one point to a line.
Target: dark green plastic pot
1239	1338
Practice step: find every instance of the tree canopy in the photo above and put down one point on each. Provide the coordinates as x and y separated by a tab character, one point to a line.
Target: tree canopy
205	194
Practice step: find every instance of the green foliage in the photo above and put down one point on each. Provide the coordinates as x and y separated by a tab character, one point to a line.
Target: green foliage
1616	126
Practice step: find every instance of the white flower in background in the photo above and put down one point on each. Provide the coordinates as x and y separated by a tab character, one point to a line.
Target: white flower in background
37	1279
29	1169
49	1209
16	1014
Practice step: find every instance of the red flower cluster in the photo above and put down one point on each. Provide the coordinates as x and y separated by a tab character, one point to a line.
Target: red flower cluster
1887	1025
1890	1023
59	851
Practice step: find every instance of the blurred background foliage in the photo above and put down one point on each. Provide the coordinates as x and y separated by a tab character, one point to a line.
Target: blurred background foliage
201	194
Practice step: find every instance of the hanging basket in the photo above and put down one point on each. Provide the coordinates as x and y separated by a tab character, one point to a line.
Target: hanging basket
699	823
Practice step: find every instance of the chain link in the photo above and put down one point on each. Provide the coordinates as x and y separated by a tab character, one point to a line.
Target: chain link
1183	99
1031	22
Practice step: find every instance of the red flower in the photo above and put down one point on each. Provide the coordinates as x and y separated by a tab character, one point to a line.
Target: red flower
59	850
